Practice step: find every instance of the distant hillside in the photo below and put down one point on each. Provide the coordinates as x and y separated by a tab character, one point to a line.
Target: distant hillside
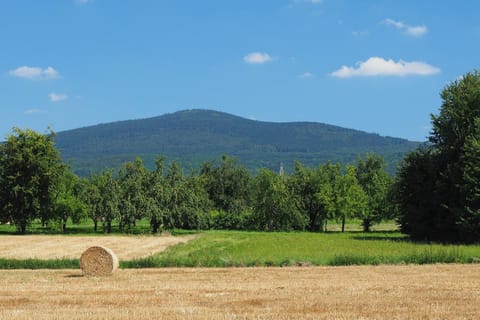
195	136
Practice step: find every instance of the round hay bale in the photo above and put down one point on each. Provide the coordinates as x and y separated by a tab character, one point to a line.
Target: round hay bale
98	261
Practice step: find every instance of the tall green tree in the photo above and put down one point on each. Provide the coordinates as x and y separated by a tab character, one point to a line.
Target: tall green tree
375	182
188	200
229	186
327	196
69	202
133	200
275	207
350	199
471	175
314	193
93	201
417	193
30	171
109	193
449	211
158	195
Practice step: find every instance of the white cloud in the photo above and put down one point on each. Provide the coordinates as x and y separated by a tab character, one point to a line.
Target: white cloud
416	31
396	24
376	66
34	111
306	75
35	73
257	58
56	97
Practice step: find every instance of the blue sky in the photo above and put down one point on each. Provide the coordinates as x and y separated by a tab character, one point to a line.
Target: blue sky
377	66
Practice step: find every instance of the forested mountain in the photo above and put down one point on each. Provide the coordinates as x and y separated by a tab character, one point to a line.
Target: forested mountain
195	136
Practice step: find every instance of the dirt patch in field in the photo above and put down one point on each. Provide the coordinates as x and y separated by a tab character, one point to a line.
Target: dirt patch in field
365	292
53	247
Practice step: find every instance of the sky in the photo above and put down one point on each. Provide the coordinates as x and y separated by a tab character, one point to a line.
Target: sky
377	66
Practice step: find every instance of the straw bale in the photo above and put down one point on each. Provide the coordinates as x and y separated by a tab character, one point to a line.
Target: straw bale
98	261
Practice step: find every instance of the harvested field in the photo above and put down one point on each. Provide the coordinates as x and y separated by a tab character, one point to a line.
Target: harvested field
365	292
71	247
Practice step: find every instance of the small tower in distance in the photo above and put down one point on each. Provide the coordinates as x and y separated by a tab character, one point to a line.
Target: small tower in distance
281	171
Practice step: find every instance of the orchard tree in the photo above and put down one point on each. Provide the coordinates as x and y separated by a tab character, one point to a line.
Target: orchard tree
228	185
188	201
350	199
107	208
375	182
68	201
93	201
275	208
157	199
30	171
314	193
133	202
329	174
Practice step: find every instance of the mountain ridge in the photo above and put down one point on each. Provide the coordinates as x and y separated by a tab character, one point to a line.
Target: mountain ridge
197	135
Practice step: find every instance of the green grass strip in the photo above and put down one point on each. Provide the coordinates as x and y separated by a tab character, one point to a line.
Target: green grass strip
39	264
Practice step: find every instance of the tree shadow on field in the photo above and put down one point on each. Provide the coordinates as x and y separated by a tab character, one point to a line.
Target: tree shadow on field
404	239
74	275
383	236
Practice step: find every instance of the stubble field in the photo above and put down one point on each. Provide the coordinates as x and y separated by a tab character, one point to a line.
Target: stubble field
71	247
361	292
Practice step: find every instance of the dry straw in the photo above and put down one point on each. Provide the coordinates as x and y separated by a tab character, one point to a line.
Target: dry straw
98	261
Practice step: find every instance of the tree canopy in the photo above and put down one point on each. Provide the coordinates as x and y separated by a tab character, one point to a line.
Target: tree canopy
30	172
438	184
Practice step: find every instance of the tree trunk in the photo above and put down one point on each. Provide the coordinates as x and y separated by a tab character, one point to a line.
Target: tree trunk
366	223
95	223
23	227
343	223
326	221
311	226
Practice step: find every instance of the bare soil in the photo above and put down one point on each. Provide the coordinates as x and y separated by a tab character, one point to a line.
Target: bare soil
362	292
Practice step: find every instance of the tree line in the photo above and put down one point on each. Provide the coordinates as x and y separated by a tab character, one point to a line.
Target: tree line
434	196
36	185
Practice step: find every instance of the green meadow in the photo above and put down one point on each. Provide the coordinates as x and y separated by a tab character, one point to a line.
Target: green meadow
238	249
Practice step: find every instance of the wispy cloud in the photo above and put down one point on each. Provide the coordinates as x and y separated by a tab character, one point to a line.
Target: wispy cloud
376	66
56	97
309	1
81	2
306	75
257	58
33	111
360	33
416	31
35	73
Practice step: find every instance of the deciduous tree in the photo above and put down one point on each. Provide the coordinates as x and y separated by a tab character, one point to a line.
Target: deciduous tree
30	171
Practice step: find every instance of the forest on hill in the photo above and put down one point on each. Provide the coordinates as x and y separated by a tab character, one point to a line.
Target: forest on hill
192	137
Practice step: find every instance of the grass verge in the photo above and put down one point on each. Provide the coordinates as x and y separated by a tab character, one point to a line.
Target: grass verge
39	264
